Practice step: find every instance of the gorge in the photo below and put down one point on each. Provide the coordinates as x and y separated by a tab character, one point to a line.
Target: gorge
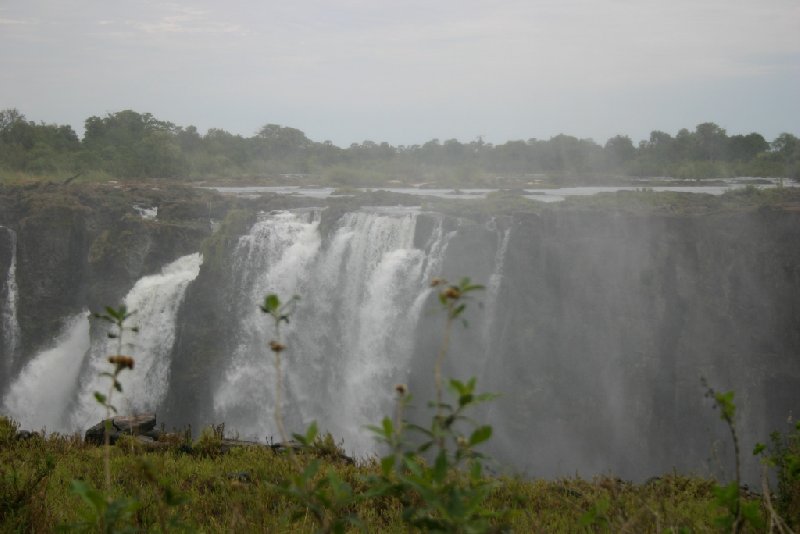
595	325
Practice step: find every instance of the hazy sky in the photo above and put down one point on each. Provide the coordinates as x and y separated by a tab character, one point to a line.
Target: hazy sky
408	71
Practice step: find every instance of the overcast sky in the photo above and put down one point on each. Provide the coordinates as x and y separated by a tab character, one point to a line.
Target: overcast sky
408	71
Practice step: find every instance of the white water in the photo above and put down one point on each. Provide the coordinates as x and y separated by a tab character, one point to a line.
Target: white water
352	335
8	311
493	289
538	194
40	395
155	300
146	212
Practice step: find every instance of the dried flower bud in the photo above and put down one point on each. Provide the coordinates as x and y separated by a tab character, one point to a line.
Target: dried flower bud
275	346
437	281
452	292
461	441
401	389
124	362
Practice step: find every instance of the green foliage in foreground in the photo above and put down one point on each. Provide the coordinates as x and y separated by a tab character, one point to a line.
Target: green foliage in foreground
239	491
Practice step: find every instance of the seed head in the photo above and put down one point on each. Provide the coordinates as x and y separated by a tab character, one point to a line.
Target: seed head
275	346
122	362
452	293
437	281
401	389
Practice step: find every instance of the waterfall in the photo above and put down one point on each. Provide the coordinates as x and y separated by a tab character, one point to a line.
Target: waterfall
493	291
9	323
155	300
352	335
39	396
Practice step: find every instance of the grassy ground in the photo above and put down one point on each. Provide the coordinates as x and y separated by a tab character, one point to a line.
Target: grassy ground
202	489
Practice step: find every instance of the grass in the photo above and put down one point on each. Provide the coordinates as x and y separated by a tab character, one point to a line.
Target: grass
235	492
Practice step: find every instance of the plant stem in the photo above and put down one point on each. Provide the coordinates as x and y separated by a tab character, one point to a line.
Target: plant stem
737	526
437	370
279	387
107	437
278	398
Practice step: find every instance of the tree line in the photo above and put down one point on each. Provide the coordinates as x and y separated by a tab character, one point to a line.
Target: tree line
132	145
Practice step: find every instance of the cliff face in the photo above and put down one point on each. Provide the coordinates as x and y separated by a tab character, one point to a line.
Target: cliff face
84	247
596	324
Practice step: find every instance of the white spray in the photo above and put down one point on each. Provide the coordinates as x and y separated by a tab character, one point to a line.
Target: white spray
40	395
155	300
351	338
8	311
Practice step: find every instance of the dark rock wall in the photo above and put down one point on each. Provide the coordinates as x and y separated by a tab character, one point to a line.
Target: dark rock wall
82	247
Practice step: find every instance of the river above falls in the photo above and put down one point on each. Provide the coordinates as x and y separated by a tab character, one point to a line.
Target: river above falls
538	194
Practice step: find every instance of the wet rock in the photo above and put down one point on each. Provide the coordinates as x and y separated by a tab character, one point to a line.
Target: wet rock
133	425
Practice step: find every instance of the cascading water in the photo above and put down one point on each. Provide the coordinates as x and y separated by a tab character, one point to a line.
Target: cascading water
155	300
352	335
45	387
493	289
9	323
56	388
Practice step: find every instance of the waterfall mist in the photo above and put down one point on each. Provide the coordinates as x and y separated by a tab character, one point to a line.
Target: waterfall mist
595	327
45	388
352	336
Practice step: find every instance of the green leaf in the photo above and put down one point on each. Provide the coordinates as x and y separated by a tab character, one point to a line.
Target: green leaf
726	405
388	428
440	467
91	496
387	464
271	303
751	511
311	433
311	470
413	466
458	386
480	435
99	397
476	471
758	449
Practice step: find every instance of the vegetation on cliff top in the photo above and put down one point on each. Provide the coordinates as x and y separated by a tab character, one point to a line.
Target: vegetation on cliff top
130	145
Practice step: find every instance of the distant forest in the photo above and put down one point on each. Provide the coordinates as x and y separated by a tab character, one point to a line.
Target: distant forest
131	145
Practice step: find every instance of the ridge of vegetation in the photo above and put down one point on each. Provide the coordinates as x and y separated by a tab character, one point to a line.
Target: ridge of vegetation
130	145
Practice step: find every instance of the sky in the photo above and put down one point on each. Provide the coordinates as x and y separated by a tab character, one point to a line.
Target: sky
409	71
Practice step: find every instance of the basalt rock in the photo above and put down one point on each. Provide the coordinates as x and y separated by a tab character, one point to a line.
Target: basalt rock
134	425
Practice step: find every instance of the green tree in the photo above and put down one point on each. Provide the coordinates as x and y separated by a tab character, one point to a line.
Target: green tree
619	150
710	142
134	145
746	147
786	150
